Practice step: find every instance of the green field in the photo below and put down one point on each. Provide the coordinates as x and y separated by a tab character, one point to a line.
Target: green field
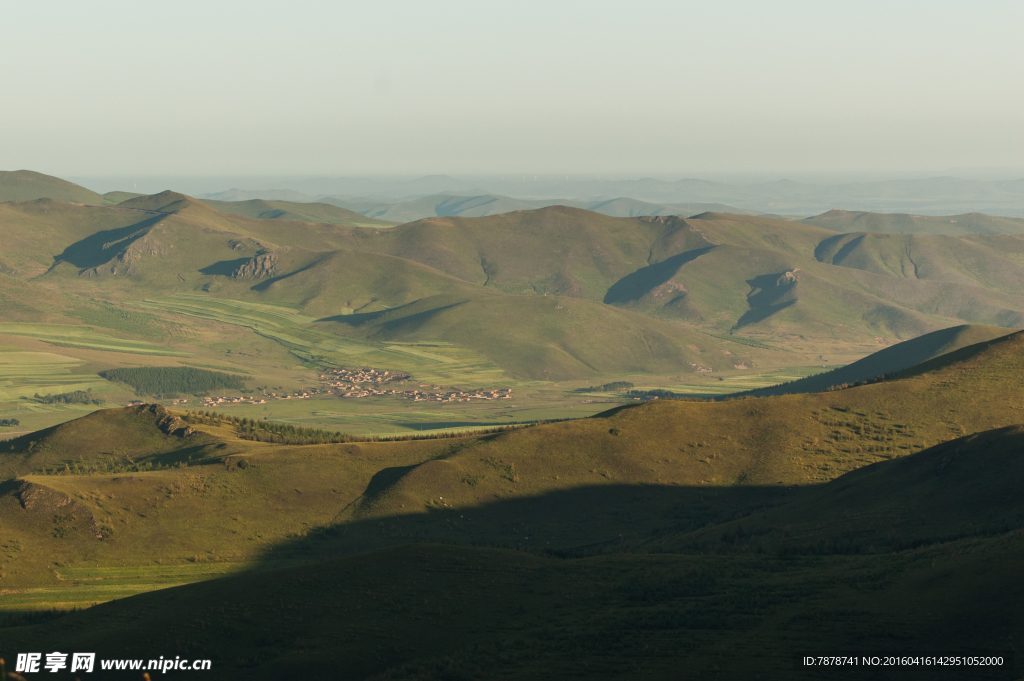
63	335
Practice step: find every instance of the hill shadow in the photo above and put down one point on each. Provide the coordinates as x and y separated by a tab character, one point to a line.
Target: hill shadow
224	268
635	286
99	248
767	297
395	317
573	522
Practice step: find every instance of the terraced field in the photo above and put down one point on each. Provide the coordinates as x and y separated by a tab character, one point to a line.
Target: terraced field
63	335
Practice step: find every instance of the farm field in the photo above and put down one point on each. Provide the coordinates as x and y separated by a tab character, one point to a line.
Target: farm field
82	587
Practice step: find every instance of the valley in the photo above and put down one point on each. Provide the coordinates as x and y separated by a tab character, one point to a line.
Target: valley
495	446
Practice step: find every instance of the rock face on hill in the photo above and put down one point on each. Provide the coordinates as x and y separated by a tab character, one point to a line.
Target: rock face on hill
260	266
166	421
67	515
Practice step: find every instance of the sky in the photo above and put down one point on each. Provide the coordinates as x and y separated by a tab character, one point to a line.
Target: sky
666	89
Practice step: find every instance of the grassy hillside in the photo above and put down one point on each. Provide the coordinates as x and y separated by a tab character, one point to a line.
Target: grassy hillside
889	360
669	290
901	223
119	197
644	540
547	337
27	185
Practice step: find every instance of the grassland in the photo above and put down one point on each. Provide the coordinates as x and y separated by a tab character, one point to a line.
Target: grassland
721	536
707	534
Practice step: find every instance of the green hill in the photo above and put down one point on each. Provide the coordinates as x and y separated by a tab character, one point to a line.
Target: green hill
545	337
889	360
26	185
646	539
901	223
119	197
666	280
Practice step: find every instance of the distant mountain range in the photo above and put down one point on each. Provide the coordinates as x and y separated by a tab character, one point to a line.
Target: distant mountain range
931	196
550	293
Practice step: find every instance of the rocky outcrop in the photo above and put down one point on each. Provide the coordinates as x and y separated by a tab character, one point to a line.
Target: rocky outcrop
166	421
68	514
261	266
788	278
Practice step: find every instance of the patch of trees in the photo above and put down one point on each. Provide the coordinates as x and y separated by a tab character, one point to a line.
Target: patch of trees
9	423
174	381
76	397
659	393
613	387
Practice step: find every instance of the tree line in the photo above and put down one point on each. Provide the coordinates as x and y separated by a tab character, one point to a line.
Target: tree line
75	397
174	381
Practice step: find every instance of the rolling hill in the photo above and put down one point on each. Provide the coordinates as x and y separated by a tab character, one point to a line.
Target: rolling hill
297	212
889	360
645	539
901	223
744	277
27	185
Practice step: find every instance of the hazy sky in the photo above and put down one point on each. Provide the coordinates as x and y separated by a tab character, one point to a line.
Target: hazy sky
660	88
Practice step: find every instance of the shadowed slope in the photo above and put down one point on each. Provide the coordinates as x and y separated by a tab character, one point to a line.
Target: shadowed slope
971	486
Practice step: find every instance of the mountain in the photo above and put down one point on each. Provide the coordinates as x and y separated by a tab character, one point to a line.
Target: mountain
447	205
259	194
631	208
777	285
26	185
300	212
900	223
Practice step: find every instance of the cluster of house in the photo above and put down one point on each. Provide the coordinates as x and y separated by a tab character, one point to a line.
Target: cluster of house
458	396
345	378
223	401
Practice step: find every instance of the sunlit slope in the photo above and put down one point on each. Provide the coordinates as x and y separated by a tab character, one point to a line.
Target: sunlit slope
569	484
297	212
336	282
139	433
546	337
901	223
750	276
27	185
993	262
891	360
35	232
555	250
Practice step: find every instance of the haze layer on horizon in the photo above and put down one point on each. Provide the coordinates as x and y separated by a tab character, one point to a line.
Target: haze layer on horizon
682	89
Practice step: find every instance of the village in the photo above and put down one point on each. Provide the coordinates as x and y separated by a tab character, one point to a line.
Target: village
348	383
360	383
